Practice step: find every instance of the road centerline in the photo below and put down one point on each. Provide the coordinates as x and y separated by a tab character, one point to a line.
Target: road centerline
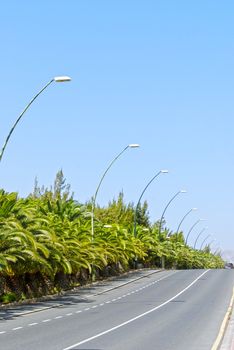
136	317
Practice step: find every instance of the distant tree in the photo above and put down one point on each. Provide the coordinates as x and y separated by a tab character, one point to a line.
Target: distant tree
61	190
142	215
36	190
117	212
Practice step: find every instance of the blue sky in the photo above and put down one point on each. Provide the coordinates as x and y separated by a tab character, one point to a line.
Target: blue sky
157	73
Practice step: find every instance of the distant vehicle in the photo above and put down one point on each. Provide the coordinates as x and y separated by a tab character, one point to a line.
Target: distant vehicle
229	266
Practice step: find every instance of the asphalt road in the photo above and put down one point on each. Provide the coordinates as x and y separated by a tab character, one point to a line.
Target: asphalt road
165	310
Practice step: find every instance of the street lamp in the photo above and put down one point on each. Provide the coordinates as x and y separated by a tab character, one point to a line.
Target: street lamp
132	145
204	241
184	218
160	222
192	229
59	79
139	200
217	251
205	228
211	242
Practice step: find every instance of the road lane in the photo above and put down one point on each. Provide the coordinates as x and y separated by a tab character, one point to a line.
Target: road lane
190	320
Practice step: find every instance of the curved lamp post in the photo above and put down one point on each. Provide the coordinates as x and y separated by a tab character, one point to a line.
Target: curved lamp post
197	222
161	219
184	218
217	248
60	79
139	200
211	242
204	241
132	145
217	251
199	236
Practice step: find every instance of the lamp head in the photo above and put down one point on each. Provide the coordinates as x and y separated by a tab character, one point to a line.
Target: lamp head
134	145
62	79
164	171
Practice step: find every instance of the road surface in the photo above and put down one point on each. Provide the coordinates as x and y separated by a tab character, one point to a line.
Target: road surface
167	310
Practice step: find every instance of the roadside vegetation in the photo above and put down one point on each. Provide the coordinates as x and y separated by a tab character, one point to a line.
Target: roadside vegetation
46	244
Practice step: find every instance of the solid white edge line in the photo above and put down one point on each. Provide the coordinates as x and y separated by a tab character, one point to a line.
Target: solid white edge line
224	324
137	317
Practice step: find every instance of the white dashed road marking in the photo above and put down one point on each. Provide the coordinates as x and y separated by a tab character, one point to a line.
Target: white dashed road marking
88	308
16	328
